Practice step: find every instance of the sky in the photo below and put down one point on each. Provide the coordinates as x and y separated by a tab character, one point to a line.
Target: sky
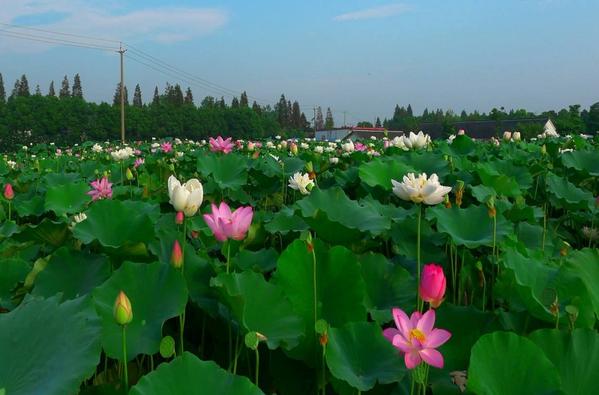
361	57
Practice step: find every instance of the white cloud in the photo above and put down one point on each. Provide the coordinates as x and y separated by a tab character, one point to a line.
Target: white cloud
164	25
374	12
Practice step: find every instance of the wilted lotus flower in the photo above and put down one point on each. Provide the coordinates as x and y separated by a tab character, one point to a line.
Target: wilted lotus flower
187	197
416	338
220	145
226	225
102	189
416	141
301	182
421	189
432	285
122	311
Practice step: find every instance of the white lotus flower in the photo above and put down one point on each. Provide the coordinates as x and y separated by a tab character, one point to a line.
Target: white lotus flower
122	154
77	218
516	136
319	149
97	148
301	182
398	142
417	141
507	136
420	189
187	197
349	146
334	160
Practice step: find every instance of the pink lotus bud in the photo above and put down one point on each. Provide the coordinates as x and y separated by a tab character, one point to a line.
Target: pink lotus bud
432	285
177	255
9	194
179	217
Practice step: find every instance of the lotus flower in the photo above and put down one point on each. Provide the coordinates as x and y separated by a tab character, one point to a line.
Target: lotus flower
220	145
507	135
177	255
9	194
226	225
432	285
421	189
516	136
360	147
187	197
138	162
301	182
166	147
416	141
122	154
102	189
416	338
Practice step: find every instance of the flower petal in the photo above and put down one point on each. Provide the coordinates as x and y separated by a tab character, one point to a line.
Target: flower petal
412	359
432	357
436	338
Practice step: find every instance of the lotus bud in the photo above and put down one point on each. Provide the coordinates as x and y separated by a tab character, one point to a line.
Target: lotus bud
322	328
516	136
179	217
105	174
122	312
129	174
564	249
293	148
432	285
256	155
310	167
177	255
491	207
507	135
9	194
544	150
309	243
251	146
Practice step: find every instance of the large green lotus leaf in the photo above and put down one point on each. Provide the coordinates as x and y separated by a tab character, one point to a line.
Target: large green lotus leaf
341	209
247	294
115	223
425	162
8	228
505	363
405	238
198	272
29	204
229	171
584	264
46	232
284	221
189	375
48	348
575	354
12	271
502	183
336	269
388	285
359	354
61	179
263	260
471	227
586	161
67	199
380	172
157	292
72	273
567	194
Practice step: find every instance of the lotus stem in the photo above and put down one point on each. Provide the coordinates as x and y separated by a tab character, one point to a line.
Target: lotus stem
125	370
544	226
419	303
257	365
228	256
9	210
182	316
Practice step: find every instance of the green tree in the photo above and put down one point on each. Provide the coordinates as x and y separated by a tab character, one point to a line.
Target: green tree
65	90
282	112
329	122
137	101
2	90
256	107
23	87
77	88
188	96
378	123
592	121
156	97
235	102
51	91
296	116
38	91
243	101
319	119
116	100
364	124
16	89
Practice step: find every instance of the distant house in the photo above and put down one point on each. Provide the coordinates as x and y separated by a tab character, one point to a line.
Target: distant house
356	133
487	129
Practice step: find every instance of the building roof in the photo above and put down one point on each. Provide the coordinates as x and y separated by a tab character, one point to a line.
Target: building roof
481	129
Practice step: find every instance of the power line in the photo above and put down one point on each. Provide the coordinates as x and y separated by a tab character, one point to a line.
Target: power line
51	40
59	33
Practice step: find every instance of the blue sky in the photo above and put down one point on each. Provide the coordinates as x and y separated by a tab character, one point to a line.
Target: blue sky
357	56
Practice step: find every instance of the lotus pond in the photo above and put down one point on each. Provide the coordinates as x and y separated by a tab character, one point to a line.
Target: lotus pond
300	267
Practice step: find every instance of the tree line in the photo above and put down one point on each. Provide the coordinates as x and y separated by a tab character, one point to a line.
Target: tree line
67	118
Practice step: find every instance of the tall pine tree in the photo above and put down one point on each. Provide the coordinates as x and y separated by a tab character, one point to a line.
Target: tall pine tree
235	102
116	101
65	90
319	119
77	89
296	116
256	107
243	101
24	87
38	91
16	89
282	112
329	123
51	90
188	96
137	102
156	97
378	123
2	91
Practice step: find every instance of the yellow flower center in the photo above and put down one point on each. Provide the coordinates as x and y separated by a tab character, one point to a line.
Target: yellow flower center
418	335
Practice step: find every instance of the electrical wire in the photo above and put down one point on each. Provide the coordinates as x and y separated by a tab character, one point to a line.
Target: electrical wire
59	33
57	41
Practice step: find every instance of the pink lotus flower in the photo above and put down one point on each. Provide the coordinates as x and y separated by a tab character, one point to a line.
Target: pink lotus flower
166	147
359	147
220	145
432	285
138	162
102	189
416	338
226	225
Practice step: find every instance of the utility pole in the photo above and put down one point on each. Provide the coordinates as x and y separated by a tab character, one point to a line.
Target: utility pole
121	51
344	124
